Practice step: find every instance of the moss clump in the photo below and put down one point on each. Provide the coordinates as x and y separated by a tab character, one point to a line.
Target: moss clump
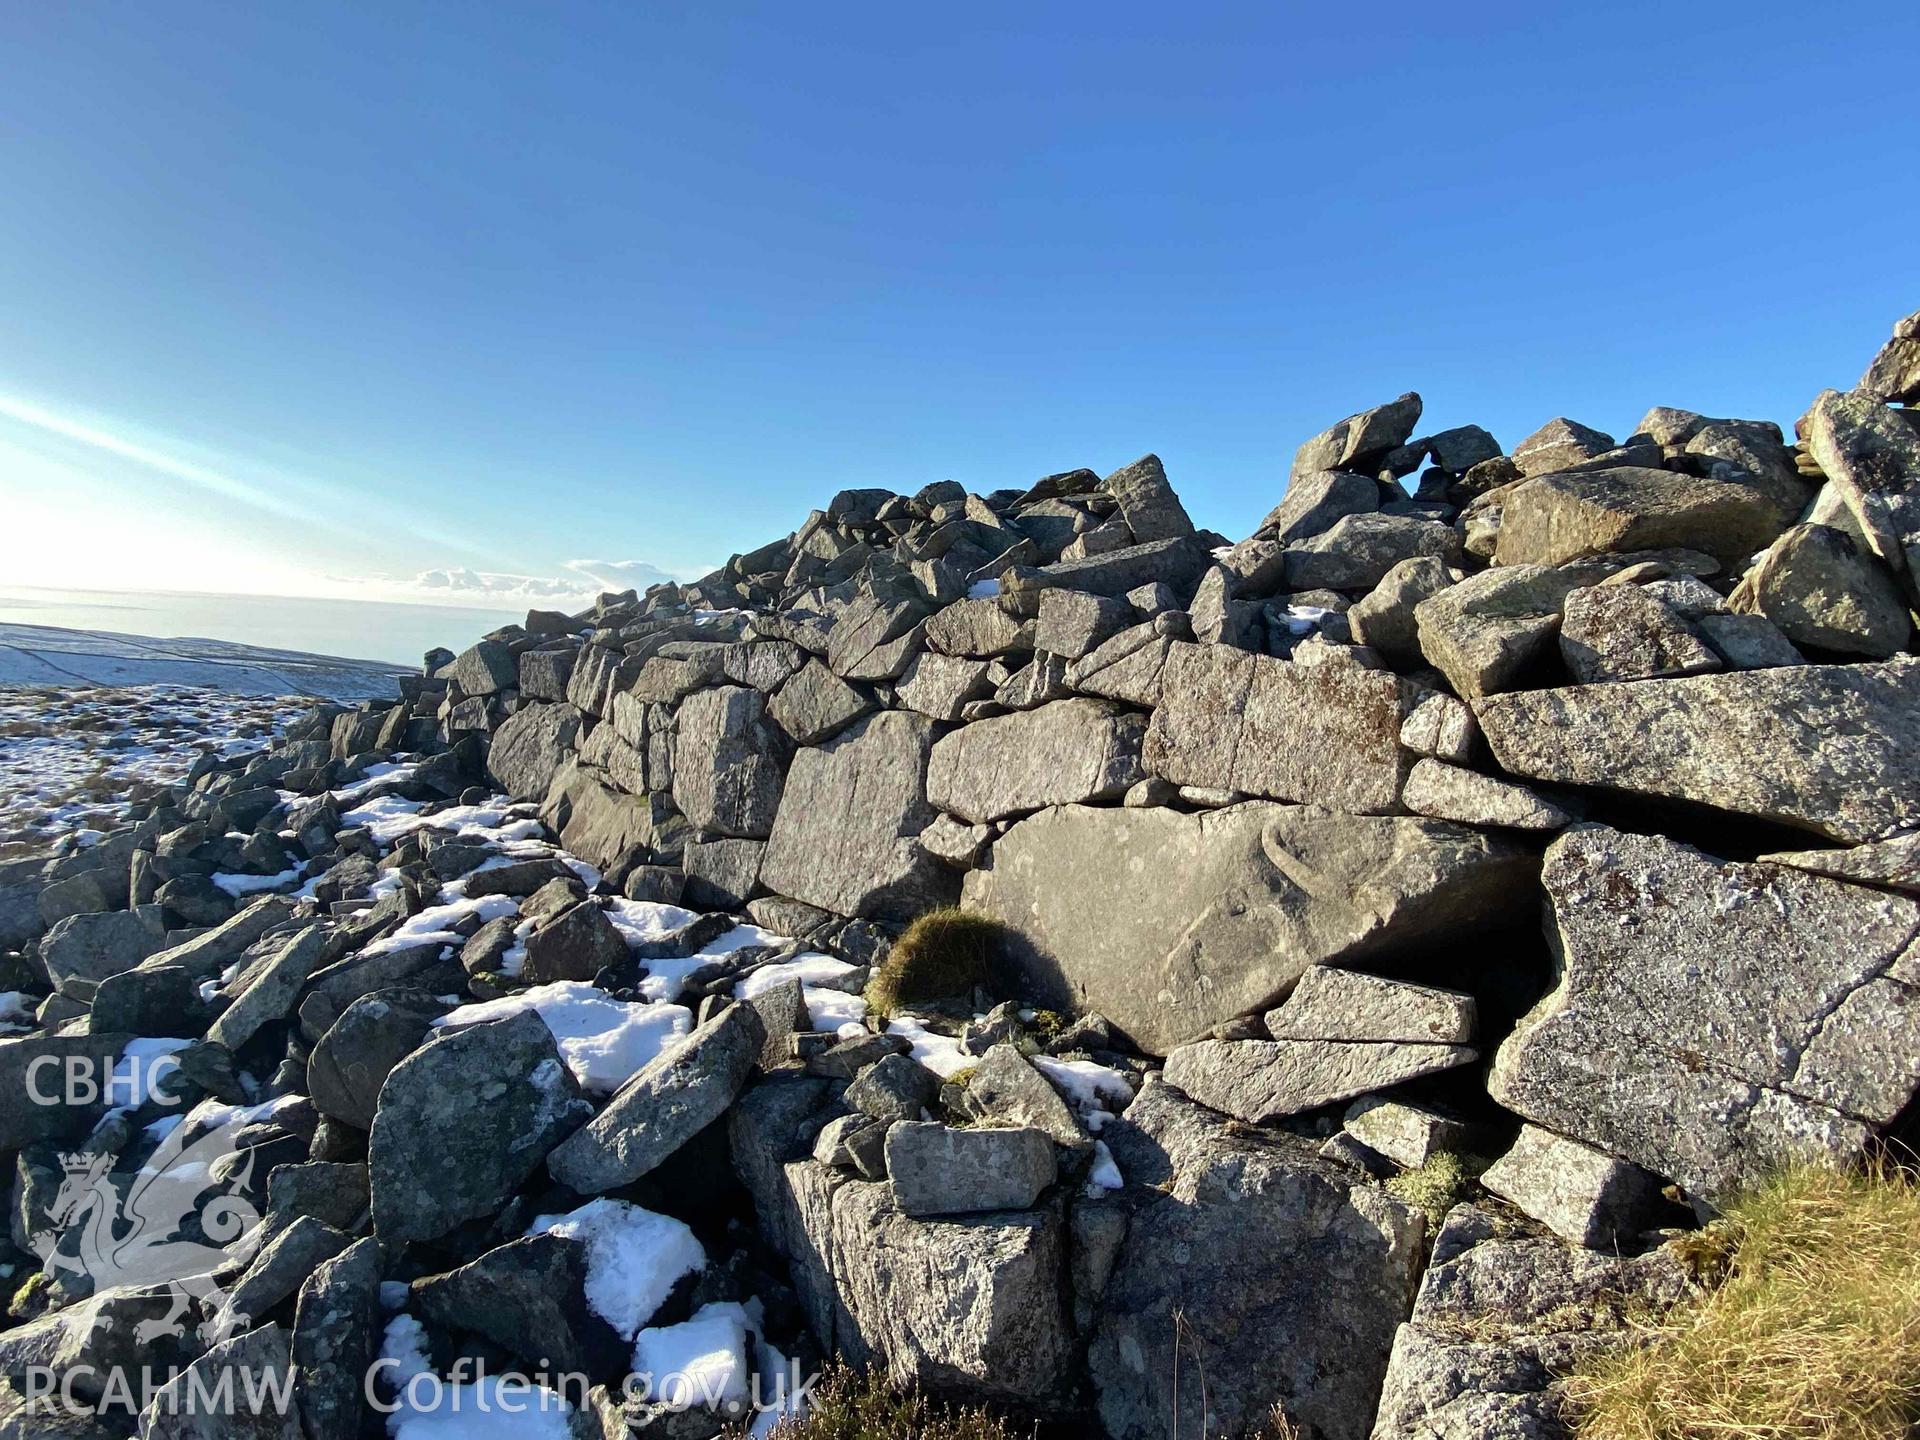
849	1405
1813	1335
1440	1184
942	955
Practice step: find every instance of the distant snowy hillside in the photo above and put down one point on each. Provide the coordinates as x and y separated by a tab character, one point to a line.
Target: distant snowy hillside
48	655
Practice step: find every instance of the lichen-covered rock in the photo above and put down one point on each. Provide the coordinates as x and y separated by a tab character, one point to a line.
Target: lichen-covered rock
1831	748
846	835
1824	591
1894	373
1168	923
729	762
530	747
1810	1040
1060	754
1583	1195
1238	1238
1147	502
1256	1080
1359	438
1565	516
1620	632
336	1337
1449	792
463	1121
934	1169
1502	1316
1872	461
1326	735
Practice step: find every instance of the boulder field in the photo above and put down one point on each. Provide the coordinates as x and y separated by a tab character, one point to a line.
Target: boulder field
1411	920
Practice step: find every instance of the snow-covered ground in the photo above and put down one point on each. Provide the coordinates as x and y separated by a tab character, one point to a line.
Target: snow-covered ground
69	755
49	655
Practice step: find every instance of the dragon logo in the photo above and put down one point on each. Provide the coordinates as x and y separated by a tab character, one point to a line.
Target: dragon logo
169	1223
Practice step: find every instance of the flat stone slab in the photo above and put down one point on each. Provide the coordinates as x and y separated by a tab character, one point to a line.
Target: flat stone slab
1255	1080
1830	748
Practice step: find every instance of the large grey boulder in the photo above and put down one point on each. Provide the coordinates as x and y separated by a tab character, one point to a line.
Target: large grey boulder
336	1337
1324	734
1713	1022
485	669
353	1058
1485	631
1830	748
1449	792
529	748
1006	1089
1583	1195
845	838
979	628
1071	624
1559	444
605	826
1331	1003
1359	438
1872	461
729	762
1147	502
1503	1315
528	1297
1825	591
1315	500
1895	372
874	638
1359	551
207	953
942	686
672	1099
1567	515
33	1081
243	1375
1168	923
1384	617
463	1121
937	1170
1060	754
82	950
972	1304
1179	563
1238	1239
816	704
1125	666
1620	632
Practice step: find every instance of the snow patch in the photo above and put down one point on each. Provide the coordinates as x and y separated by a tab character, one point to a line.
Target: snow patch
604	1041
634	1258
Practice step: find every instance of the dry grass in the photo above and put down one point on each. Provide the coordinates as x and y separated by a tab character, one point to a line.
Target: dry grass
850	1405
1814	1335
942	955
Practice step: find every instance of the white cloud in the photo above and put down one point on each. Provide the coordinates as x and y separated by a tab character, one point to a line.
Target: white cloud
460	584
621	574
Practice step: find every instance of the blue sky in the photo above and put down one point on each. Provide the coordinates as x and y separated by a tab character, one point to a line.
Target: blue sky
304	298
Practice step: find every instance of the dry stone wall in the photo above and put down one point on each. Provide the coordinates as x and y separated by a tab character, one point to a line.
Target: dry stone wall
1544	811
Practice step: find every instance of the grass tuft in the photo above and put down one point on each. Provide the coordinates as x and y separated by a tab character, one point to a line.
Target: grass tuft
851	1405
941	956
1814	1334
1440	1184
